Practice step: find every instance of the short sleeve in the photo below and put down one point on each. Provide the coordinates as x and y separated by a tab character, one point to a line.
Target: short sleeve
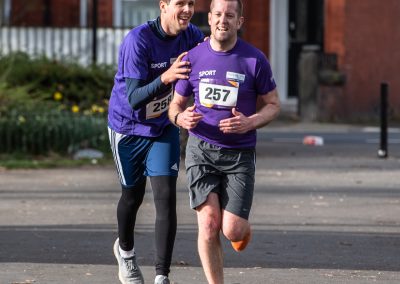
133	57
265	81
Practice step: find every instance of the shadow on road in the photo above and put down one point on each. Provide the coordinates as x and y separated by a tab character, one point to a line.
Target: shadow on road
298	248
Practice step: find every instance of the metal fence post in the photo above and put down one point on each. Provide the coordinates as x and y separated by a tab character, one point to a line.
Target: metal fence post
383	150
94	27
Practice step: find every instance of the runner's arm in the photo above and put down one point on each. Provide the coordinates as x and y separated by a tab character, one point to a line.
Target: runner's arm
269	108
140	93
176	107
183	116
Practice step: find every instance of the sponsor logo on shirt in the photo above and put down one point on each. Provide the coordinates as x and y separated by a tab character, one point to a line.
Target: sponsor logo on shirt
236	77
207	73
158	65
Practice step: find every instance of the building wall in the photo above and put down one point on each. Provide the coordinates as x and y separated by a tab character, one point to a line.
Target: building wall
60	13
202	5
334	22
366	36
372	53
64	13
104	13
256	27
27	13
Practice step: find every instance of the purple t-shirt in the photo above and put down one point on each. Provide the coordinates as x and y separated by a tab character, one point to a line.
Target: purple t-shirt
144	55
221	81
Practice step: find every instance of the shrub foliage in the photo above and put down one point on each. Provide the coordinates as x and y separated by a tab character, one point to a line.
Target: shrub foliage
48	106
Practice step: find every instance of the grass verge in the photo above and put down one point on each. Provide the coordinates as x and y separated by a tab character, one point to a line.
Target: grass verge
15	162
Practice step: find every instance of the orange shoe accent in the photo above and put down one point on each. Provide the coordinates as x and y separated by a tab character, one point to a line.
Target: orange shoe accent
241	245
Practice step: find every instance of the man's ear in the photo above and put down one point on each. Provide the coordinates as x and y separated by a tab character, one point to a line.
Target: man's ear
163	5
240	22
209	18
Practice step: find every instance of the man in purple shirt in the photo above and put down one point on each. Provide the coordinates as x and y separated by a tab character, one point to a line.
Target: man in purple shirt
234	94
143	141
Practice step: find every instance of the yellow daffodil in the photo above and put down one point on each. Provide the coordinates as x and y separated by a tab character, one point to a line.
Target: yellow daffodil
75	108
57	96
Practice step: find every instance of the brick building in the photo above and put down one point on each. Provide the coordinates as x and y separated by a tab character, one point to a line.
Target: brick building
365	34
356	40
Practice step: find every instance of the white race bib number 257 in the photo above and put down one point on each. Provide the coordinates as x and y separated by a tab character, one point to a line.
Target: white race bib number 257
220	95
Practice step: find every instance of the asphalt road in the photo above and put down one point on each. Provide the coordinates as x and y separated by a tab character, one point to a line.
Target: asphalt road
327	214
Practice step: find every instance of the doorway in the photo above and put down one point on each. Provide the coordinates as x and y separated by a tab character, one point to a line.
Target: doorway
305	31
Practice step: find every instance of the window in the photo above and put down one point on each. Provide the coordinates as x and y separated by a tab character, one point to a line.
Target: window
131	13
5	9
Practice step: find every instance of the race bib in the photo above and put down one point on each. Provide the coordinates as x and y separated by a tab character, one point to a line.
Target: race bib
157	107
217	95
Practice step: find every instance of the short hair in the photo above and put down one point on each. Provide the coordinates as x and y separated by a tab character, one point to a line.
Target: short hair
239	4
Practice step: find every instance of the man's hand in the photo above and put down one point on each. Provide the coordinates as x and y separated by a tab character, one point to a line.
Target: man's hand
189	119
239	123
178	70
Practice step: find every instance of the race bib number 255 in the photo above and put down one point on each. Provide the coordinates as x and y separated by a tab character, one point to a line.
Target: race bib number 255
157	107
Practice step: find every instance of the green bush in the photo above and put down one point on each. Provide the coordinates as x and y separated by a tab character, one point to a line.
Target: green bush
51	132
51	107
25	81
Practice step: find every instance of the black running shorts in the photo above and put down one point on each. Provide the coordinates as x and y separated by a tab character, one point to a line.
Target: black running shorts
227	172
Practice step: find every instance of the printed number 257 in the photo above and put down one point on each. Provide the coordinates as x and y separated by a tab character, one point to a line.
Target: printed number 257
215	94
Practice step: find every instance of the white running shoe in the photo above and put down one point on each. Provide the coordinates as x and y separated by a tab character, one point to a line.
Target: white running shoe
161	279
128	270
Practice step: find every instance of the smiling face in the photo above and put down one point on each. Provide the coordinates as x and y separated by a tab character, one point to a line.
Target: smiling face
176	15
225	20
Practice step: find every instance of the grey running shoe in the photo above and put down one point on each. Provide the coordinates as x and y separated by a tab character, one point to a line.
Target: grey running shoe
161	279
128	270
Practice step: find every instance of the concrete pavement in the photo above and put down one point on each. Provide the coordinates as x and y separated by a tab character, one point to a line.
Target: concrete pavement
325	214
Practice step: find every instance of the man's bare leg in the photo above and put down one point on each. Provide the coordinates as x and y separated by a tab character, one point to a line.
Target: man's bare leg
236	229
209	243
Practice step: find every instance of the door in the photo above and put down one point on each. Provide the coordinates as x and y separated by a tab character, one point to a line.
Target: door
305	29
